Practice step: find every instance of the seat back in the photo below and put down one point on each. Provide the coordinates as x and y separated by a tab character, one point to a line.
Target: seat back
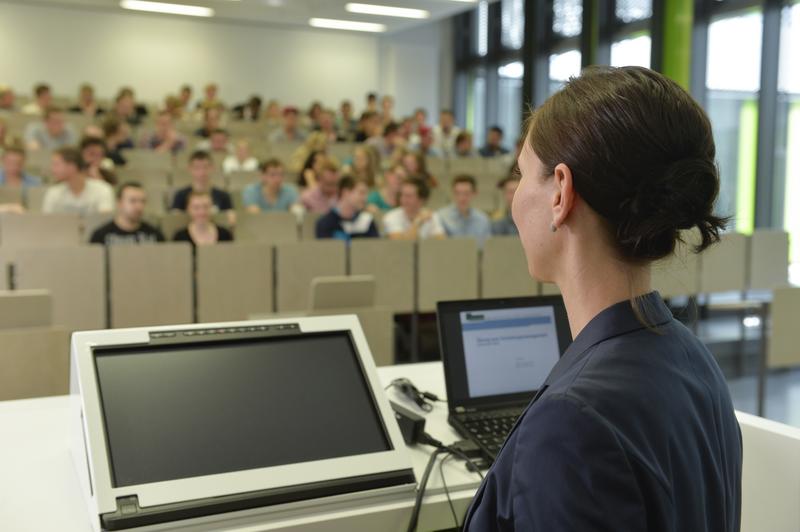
34	362
504	269
25	308
723	266
769	259
346	291
266	227
21	230
391	264
784	336
448	270
298	263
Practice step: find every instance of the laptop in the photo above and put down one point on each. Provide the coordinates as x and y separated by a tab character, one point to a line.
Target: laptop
497	353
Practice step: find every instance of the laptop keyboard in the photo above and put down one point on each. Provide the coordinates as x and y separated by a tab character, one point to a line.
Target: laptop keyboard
491	428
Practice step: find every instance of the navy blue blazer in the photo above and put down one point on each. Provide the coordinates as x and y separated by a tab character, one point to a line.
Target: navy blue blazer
633	430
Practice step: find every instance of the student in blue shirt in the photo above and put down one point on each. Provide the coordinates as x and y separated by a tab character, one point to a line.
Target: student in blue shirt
271	194
459	218
634	428
348	219
12	173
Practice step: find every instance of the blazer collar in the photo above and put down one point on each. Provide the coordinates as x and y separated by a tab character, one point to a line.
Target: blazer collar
616	320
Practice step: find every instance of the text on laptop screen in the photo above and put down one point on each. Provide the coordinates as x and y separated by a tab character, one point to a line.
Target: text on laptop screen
174	412
510	350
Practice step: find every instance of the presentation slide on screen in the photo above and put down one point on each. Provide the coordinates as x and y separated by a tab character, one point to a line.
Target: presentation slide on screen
508	350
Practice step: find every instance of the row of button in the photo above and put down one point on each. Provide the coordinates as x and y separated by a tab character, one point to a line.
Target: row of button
226	330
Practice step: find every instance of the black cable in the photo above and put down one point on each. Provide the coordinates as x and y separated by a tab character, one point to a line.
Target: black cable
412	523
446	489
467	459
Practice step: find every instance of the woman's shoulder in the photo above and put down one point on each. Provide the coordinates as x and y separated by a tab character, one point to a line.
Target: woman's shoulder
224	234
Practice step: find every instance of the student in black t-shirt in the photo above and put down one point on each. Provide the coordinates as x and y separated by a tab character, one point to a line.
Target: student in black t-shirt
348	219
127	226
201	230
200	166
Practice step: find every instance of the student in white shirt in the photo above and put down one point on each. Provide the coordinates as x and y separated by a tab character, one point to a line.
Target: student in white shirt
241	159
74	191
412	220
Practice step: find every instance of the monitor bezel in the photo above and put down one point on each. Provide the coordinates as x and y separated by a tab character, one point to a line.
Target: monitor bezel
459	405
219	485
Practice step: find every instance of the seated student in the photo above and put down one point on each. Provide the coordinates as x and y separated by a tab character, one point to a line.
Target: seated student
13	175
386	197
365	164
503	223
321	198
459	219
12	172
348	219
127	227
416	166
87	104
201	229
200	166
117	136
218	142
165	138
98	166
250	110
312	168
412	220
271	194
240	160
463	146
74	192
7	98
494	143
42	99
290	130
51	133
211	122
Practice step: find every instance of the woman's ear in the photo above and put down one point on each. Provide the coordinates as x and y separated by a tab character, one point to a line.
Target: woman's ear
563	195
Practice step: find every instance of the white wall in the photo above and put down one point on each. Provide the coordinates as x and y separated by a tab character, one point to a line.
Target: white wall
416	66
156	54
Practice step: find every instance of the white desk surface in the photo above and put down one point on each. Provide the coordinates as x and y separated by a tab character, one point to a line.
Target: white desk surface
39	489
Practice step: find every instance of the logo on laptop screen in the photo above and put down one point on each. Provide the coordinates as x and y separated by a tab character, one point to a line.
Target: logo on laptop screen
474	317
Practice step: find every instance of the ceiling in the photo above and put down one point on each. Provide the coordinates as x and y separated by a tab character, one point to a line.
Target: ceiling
292	12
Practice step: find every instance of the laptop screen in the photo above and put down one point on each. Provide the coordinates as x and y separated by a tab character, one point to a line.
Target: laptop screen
501	350
203	408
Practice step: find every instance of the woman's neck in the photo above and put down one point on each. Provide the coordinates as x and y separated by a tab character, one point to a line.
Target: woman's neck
590	286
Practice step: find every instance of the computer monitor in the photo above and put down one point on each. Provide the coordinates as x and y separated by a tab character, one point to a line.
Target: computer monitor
194	421
500	351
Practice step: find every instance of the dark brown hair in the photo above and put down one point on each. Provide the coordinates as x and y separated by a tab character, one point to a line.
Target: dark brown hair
270	163
464	178
641	153
71	155
423	192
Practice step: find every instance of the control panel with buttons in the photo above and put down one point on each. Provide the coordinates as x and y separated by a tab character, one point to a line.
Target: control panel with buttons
223	333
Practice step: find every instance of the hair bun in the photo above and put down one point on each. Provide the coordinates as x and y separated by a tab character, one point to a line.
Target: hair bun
680	198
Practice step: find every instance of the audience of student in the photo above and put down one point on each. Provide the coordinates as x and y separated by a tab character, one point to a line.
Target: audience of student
211	122
445	133
200	168
117	136
370	128
415	166
327	127
217	143
74	192
312	168
87	104
249	111
240	160
210	99
128	225
321	197
201	230
42	99
98	166
50	133
126	109
387	110
7	98
386	197
365	165
348	219
346	122
503	224
494	143
165	138
271	193
390	141
290	130
412	220
464	146
460	219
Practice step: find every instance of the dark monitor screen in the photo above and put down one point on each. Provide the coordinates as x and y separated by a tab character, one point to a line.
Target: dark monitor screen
188	410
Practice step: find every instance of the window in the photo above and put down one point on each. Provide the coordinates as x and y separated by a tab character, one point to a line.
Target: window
567	17
787	139
512	23
732	83
628	11
476	106
563	66
481	38
633	50
510	100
